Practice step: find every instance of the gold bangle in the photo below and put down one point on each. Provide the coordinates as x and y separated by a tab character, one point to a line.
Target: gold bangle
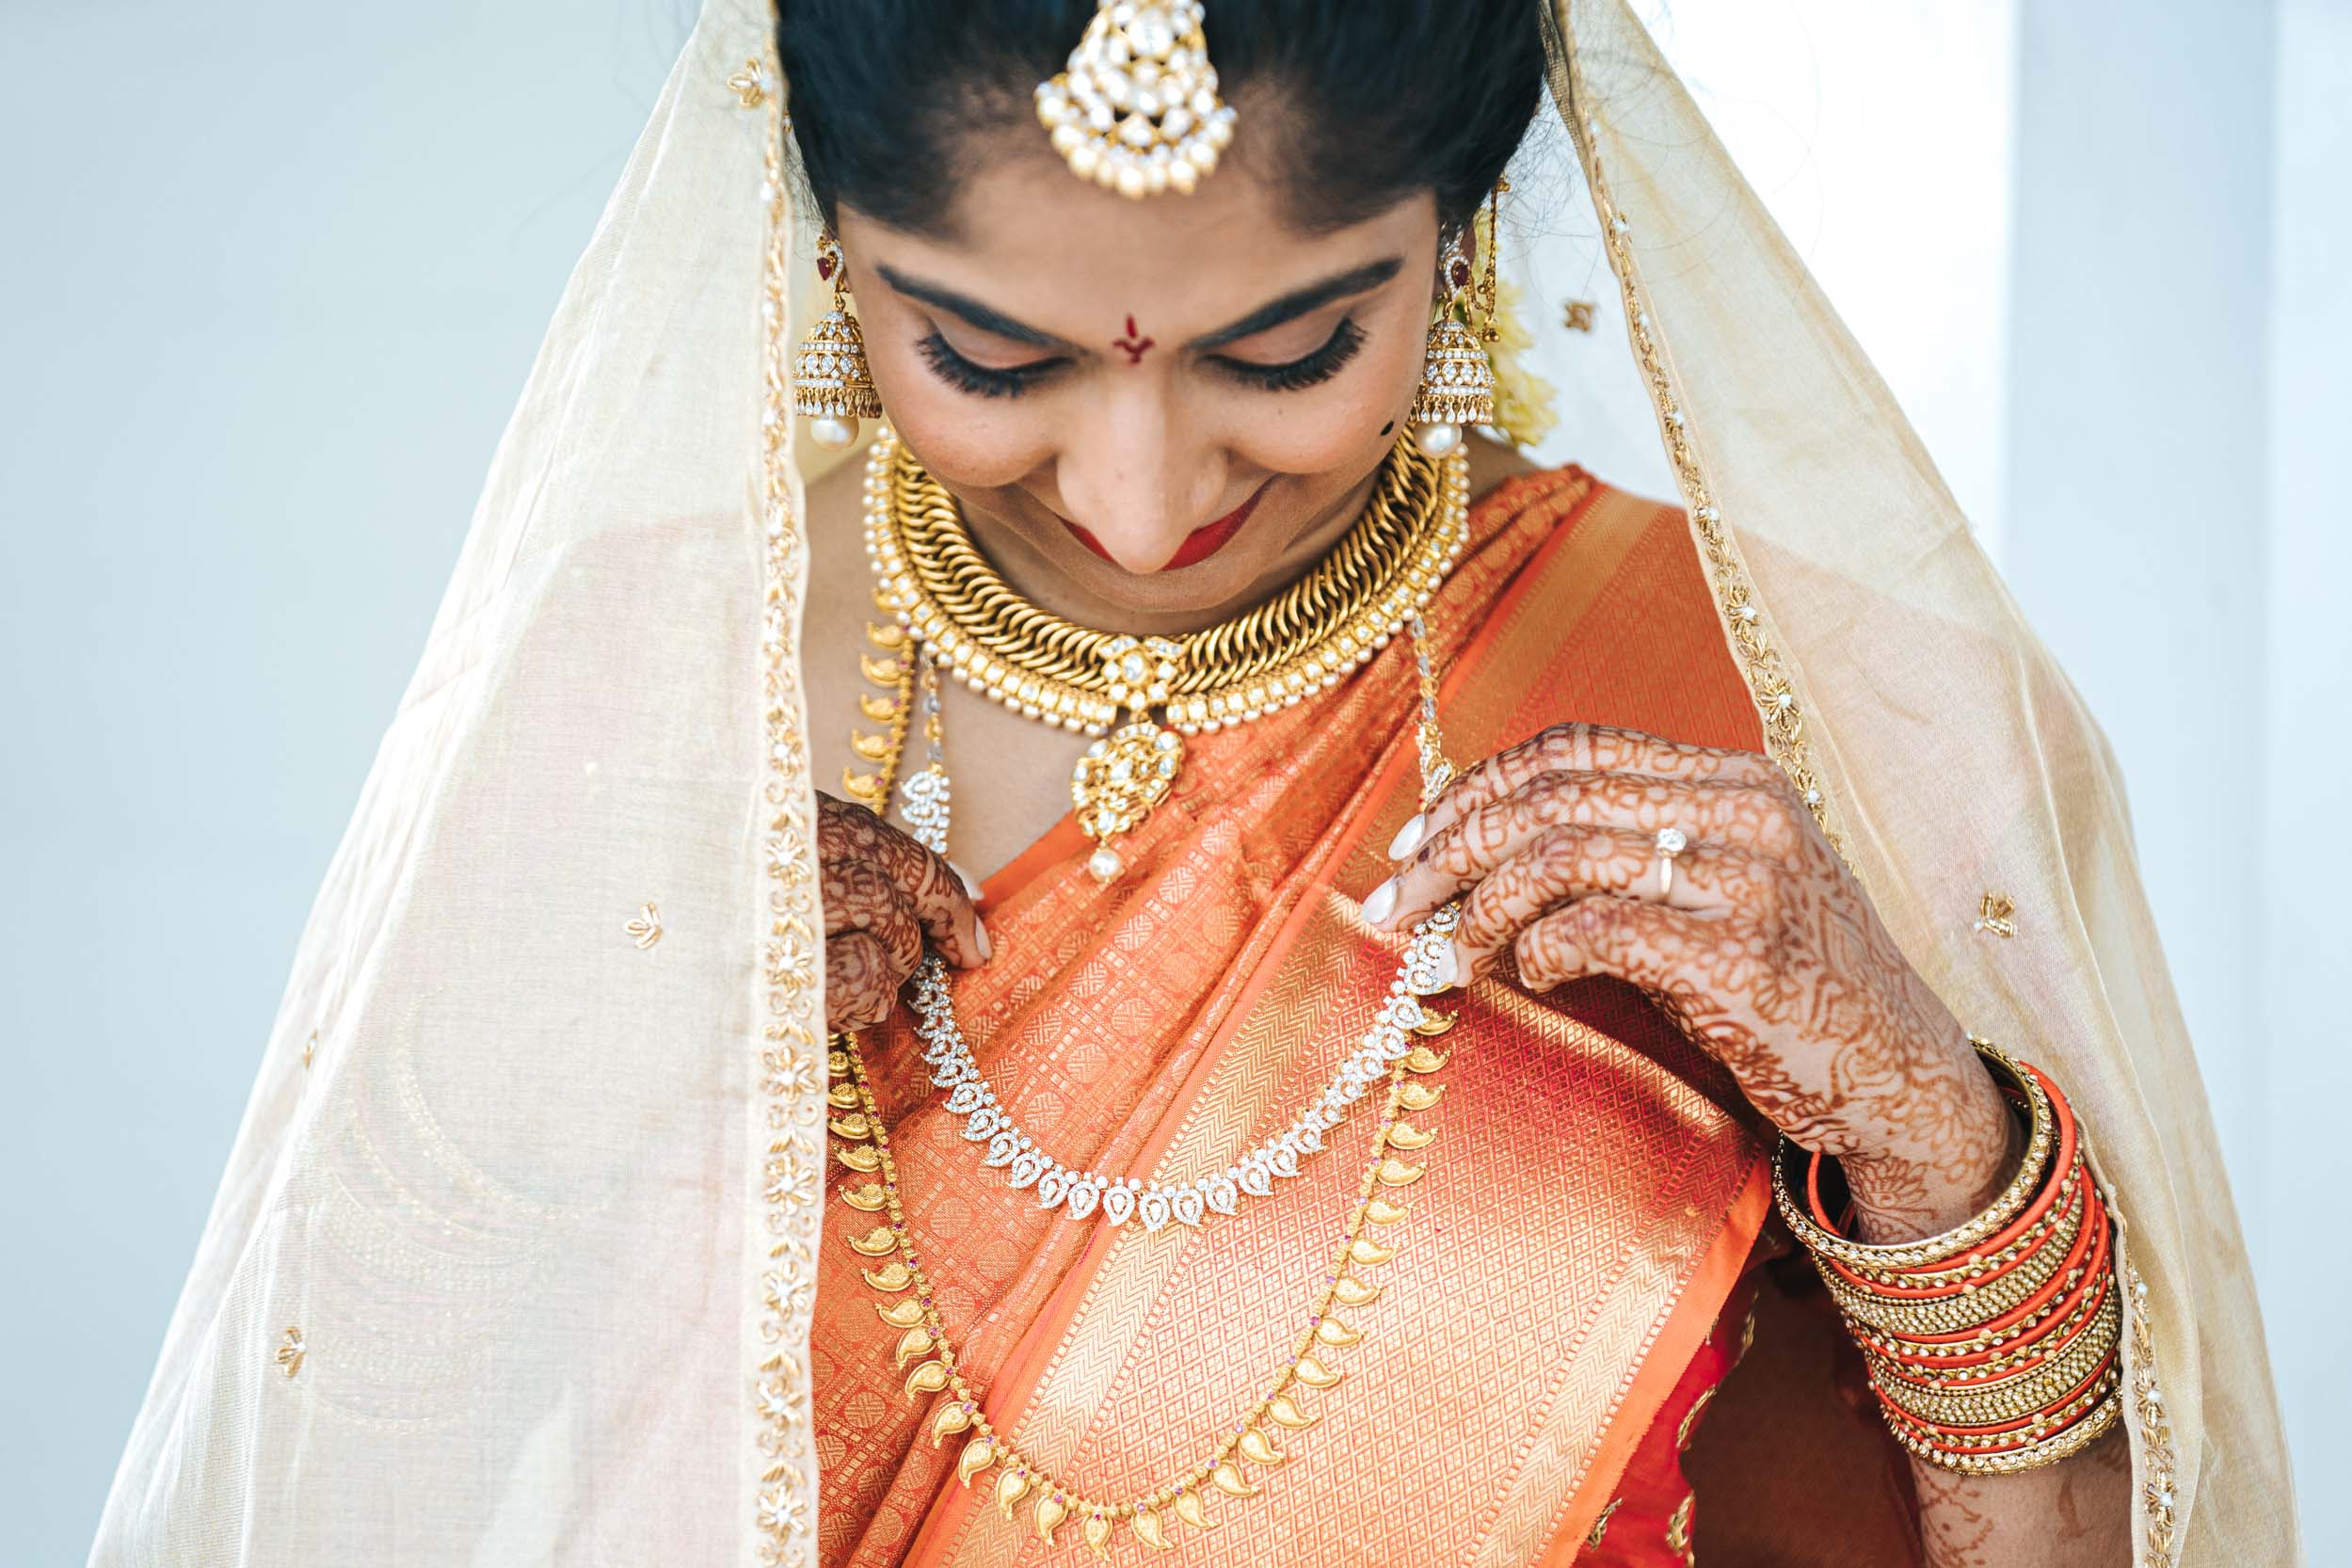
2011	1347
1932	1250
2105	1409
2019	1395
1975	1305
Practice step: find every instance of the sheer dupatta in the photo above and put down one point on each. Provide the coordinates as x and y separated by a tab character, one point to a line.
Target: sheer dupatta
514	1258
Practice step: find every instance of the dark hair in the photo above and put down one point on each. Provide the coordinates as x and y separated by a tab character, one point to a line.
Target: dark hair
1379	98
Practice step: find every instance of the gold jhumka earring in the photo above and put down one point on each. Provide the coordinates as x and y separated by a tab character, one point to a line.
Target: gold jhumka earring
830	383
1457	378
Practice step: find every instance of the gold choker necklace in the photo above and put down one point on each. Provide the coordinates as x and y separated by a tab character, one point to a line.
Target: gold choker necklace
1305	639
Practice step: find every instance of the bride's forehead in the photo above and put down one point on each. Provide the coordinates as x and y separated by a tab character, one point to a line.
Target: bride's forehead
1034	235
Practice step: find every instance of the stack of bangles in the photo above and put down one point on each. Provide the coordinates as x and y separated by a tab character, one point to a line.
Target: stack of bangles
1993	1347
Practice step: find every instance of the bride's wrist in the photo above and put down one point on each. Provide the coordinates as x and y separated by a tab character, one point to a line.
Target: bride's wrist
1899	1198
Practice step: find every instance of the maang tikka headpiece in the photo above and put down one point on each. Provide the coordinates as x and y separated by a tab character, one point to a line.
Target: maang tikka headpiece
1136	108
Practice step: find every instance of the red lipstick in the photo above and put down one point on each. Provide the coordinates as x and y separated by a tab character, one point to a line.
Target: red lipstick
1199	545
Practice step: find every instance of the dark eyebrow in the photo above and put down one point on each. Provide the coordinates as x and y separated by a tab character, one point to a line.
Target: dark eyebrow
972	310
1298	302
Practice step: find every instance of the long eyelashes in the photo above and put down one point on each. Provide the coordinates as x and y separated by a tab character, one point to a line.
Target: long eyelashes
1310	370
981	380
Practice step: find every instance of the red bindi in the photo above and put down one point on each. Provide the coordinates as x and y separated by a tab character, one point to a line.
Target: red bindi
1133	344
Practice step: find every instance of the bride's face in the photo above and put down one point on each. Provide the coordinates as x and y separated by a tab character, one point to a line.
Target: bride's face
1155	406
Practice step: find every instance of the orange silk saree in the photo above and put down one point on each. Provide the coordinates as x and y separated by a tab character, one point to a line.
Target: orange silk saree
1591	1202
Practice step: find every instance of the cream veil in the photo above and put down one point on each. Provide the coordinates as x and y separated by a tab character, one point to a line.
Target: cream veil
512	1261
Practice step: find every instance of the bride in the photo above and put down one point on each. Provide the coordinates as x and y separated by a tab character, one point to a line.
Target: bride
1187	952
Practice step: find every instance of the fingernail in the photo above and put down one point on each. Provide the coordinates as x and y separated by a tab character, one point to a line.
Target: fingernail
1378	907
1448	968
971	883
1408	838
979	939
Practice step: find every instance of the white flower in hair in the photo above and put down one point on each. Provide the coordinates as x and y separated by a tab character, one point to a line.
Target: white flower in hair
1136	109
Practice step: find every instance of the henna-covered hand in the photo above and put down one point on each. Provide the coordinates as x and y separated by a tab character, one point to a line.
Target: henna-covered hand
1765	949
884	893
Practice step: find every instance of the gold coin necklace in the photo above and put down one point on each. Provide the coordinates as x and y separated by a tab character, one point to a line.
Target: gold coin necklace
934	581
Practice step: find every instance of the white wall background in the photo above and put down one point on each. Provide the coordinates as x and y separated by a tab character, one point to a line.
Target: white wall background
274	273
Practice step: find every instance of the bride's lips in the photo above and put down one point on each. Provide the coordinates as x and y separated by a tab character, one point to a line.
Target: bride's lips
1198	546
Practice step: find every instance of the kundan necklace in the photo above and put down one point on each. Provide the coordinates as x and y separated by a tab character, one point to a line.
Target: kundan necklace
945	596
1388	1050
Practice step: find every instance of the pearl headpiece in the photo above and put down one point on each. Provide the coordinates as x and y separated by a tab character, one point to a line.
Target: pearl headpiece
1136	108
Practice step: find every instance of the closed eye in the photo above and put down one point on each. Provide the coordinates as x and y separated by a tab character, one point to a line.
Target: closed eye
982	381
1308	370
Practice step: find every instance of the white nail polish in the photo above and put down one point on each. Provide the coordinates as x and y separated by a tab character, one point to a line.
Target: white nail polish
1447	969
1408	838
979	939
971	883
1384	900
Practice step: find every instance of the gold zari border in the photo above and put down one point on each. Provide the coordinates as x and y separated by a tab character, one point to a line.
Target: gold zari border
791	1177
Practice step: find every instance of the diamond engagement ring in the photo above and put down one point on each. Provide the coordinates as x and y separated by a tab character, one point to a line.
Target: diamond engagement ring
1671	842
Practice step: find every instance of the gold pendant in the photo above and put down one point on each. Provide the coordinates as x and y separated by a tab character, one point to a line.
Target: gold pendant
1130	771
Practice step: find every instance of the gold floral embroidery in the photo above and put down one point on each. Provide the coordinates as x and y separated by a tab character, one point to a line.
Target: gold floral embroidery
2156	1497
1995	915
1690	1417
1743	617
1577	316
291	1348
644	927
1600	1526
1678	1528
791	1082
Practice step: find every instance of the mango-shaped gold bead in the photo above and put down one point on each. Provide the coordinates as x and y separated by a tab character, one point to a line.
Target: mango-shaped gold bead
929	1378
1419	1096
1315	1374
892	1277
1284	1412
977	1456
1259	1450
1190	1509
874	1243
1227	1476
1052	1511
1331	1331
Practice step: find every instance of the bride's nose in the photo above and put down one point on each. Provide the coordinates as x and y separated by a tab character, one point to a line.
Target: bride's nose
1138	478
